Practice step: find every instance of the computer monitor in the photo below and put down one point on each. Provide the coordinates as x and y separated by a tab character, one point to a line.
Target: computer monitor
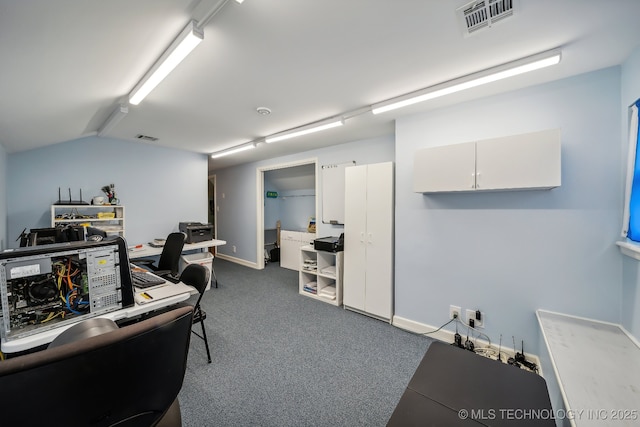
44	287
50	235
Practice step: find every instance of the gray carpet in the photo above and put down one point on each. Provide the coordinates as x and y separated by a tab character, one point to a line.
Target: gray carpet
282	359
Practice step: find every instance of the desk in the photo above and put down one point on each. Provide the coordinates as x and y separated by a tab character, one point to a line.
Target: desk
146	251
455	387
45	337
597	365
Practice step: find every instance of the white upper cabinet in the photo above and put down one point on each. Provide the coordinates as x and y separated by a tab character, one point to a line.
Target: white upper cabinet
528	161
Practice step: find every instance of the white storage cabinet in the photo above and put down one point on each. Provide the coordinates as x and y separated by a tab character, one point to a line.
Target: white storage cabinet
112	221
528	161
321	275
368	240
290	244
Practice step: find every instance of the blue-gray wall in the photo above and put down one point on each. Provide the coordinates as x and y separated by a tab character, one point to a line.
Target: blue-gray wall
236	192
510	253
159	187
3	197
292	207
631	267
295	207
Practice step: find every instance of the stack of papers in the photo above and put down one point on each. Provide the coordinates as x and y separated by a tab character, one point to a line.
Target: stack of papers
310	265
311	287
328	292
330	270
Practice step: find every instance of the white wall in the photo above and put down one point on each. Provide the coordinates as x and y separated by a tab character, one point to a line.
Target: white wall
159	187
631	268
510	253
3	197
237	191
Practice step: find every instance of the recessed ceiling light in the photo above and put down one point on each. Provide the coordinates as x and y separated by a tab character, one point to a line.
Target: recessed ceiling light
263	111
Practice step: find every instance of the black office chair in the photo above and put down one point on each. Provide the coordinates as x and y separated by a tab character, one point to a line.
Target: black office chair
197	276
168	264
125	377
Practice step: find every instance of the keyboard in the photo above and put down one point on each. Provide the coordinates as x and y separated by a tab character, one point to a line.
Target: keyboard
143	279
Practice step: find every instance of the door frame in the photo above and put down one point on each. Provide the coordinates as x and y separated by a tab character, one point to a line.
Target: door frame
260	201
212	179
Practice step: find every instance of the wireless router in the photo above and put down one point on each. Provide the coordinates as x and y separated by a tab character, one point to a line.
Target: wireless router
70	202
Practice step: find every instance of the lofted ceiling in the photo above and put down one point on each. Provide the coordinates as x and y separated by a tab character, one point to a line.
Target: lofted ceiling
67	63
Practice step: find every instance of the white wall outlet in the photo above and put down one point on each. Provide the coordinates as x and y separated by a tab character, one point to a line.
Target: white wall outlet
454	311
233	248
471	314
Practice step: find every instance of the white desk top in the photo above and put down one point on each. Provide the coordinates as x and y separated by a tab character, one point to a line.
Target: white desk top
597	366
144	250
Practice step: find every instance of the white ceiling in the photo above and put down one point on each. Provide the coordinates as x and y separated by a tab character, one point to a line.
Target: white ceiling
66	63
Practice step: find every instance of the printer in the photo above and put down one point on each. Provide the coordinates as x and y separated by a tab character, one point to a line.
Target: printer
196	231
329	244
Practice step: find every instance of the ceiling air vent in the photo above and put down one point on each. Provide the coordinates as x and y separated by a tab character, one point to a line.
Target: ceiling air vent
482	14
146	138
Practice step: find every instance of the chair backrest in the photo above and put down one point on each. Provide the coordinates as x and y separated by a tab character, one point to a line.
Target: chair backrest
196	275
126	377
170	256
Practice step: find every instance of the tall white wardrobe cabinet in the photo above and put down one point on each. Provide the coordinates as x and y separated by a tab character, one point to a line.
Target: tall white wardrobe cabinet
368	240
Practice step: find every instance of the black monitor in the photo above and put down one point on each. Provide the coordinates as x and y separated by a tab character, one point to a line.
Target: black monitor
51	235
44	287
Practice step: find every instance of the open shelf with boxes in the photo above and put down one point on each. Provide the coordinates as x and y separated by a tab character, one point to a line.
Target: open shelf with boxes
321	275
109	218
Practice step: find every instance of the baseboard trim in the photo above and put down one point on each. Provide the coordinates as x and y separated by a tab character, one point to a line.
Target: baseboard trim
237	261
448	337
373	316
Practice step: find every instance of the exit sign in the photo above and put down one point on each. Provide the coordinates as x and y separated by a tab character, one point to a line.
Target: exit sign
272	194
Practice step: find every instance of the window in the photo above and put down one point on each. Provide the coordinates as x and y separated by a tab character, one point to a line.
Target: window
631	218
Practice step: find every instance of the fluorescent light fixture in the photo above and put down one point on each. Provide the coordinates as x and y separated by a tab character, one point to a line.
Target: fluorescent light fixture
234	150
186	41
239	1
304	130
115	117
490	75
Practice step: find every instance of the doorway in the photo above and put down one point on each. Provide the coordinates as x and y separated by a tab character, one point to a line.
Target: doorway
212	207
293	200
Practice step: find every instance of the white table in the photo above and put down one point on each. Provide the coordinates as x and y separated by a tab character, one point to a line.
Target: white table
597	365
145	250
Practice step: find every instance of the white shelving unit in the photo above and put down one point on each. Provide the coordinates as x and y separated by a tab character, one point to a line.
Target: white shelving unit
90	214
324	270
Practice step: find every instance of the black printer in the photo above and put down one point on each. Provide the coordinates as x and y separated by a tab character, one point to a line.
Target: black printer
329	244
196	231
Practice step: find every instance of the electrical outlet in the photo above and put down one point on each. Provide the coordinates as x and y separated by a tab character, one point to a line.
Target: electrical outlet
471	314
233	248
454	311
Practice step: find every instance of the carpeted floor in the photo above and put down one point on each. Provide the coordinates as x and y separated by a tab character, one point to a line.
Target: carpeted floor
282	359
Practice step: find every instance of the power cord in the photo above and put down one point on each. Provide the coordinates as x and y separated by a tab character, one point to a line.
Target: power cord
433	332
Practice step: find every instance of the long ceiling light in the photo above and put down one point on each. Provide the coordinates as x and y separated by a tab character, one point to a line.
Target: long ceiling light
118	114
490	75
234	150
305	130
186	41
